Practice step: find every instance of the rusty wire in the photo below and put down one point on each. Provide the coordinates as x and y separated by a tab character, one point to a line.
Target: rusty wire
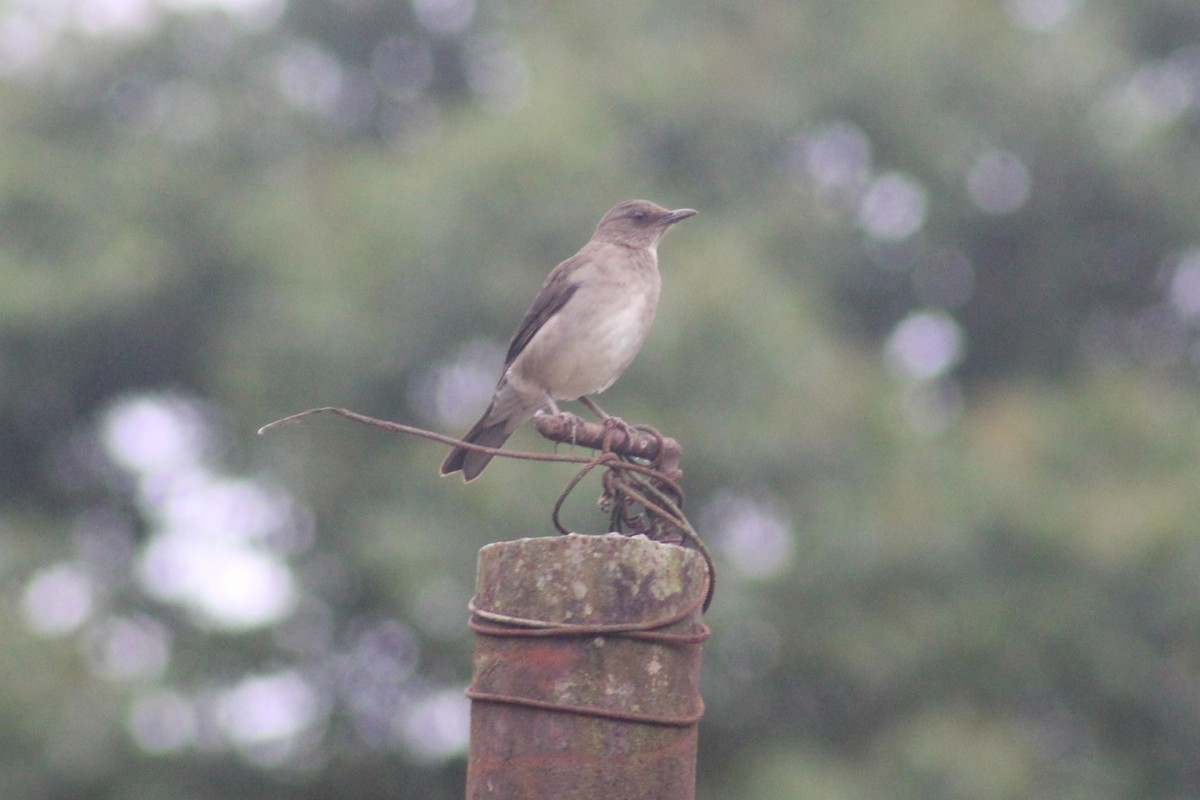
641	500
639	497
491	623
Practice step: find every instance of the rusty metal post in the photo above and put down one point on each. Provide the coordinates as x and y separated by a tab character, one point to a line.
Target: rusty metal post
587	670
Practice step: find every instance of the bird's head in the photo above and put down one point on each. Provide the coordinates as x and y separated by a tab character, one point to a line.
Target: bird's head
638	223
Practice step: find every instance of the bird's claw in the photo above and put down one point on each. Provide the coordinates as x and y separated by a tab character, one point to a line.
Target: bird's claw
611	425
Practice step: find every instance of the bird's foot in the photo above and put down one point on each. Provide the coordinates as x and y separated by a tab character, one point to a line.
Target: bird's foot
566	425
551	409
612	425
549	402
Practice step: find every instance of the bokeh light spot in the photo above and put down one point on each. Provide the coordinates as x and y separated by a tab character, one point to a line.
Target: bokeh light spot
267	708
150	432
114	17
1040	15
374	676
440	607
1185	286
130	649
924	345
445	16
455	391
438	726
57	600
894	207
225	585
751	535
217	545
1152	97
836	156
998	183
310	78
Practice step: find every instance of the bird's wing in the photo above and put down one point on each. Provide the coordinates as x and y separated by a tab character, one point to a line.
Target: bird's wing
559	287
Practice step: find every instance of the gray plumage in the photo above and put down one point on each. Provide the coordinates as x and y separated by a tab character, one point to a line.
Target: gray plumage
585	326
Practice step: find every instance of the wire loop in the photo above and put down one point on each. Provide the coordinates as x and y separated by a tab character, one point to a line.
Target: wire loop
640	498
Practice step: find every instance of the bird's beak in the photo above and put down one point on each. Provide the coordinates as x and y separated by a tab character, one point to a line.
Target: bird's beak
678	215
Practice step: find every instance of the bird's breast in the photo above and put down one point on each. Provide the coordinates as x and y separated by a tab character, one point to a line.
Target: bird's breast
586	346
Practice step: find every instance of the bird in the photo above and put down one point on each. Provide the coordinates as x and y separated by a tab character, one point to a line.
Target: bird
586	324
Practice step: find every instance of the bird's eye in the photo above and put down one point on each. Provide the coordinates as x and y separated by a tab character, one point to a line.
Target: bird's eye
637	215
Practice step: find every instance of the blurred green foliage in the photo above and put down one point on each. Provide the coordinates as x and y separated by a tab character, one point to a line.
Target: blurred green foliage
930	349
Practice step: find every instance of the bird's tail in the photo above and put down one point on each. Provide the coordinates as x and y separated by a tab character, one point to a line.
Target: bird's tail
472	462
